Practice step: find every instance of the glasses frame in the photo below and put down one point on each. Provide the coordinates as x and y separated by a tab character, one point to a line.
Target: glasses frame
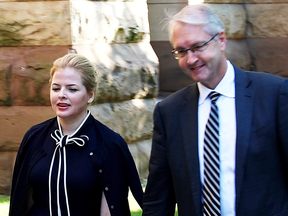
192	48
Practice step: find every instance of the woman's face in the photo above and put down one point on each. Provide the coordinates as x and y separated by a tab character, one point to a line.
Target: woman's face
68	96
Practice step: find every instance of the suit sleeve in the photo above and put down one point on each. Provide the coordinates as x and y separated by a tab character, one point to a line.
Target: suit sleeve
159	198
283	122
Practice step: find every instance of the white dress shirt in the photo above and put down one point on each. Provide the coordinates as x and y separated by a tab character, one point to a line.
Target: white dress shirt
227	136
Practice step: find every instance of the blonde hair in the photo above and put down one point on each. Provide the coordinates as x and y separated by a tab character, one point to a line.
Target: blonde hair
82	65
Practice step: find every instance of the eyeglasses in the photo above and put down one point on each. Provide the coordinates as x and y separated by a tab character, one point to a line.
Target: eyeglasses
196	49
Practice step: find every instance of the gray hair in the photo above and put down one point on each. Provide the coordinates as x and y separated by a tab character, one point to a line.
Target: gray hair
200	14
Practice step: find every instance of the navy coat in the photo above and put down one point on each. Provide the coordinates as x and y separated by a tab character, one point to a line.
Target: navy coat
110	157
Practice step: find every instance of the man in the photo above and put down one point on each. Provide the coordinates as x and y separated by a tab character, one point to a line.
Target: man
245	141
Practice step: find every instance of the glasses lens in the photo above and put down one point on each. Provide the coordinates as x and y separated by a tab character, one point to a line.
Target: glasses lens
175	53
181	53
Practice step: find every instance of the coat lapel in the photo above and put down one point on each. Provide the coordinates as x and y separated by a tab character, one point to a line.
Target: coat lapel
189	126
244	107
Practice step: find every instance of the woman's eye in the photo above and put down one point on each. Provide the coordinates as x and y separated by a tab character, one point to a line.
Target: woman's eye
73	89
55	89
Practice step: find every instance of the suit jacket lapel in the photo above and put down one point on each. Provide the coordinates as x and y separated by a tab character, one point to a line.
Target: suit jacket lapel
244	107
189	126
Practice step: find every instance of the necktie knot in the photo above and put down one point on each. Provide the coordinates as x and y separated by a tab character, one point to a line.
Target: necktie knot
214	96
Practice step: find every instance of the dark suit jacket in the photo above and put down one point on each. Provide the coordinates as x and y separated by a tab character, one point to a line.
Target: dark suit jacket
261	150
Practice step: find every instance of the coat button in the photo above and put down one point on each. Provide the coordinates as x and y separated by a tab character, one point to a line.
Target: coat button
112	207
91	154
106	188
100	171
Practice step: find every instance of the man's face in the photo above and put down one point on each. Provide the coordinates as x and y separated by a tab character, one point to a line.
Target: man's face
207	66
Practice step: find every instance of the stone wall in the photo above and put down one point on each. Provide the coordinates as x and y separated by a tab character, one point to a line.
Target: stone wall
113	35
257	32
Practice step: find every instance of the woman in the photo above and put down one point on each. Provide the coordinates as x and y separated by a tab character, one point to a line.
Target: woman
72	164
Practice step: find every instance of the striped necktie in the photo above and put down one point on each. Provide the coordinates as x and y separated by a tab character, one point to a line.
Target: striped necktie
211	188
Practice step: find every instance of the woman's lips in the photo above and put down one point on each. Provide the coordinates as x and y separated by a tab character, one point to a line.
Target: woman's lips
62	106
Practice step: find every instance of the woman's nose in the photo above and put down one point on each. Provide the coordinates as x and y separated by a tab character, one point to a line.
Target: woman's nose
62	93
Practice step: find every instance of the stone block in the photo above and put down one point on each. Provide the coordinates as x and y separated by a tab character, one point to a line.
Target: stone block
141	154
163	2
267	20
238	53
157	16
132	119
16	120
242	2
24	73
265	1
7	160
222	1
27	0
270	55
4	91
97	21
126	71
35	23
171	77
233	18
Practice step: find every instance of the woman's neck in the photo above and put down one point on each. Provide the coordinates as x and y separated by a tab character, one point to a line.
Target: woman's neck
69	126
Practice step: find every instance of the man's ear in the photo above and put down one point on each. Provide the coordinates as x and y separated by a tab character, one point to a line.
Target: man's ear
222	40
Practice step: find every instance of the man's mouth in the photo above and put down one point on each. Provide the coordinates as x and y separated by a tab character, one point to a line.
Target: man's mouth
197	67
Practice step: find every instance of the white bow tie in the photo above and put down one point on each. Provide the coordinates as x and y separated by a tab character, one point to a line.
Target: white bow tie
66	140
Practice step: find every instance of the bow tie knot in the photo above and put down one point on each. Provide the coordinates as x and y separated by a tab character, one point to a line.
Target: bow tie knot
66	140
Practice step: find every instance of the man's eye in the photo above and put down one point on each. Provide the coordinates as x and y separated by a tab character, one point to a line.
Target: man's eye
182	51
199	47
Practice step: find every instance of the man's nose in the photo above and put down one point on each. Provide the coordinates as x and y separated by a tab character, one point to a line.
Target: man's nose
192	57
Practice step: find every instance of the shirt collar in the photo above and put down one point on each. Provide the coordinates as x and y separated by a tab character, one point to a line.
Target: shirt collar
226	86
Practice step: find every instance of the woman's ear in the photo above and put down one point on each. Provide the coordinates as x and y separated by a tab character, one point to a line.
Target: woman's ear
91	96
